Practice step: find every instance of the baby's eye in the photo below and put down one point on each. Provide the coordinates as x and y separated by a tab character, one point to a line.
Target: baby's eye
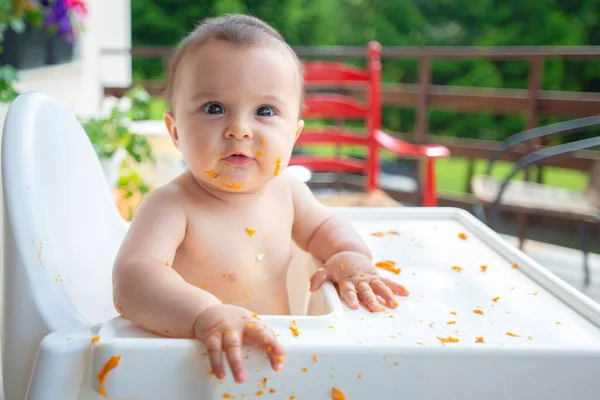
265	111
213	108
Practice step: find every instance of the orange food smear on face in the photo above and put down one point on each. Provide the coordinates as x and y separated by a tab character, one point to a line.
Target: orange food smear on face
483	268
337	394
259	154
294	328
456	268
478	312
462	236
212	174
479	340
388	265
277	166
262	141
250	231
235	186
95	339
111	364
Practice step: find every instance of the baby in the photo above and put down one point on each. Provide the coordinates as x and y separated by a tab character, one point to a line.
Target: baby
208	252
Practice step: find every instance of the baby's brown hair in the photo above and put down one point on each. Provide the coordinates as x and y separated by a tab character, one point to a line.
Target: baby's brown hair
243	30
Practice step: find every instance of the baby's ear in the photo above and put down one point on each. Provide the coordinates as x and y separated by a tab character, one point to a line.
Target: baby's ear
172	128
299	129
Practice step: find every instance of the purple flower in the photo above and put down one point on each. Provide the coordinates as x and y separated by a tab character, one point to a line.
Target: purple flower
63	16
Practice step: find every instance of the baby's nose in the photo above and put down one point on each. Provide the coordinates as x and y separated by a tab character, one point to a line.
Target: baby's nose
238	130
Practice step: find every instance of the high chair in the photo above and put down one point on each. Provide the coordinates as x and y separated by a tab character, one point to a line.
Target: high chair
62	339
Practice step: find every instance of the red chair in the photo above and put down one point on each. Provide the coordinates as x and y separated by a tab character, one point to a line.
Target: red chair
338	106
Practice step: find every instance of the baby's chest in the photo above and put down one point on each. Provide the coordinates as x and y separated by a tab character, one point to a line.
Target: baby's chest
232	243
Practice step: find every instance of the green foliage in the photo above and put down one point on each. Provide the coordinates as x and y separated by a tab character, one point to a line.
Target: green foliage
410	23
112	133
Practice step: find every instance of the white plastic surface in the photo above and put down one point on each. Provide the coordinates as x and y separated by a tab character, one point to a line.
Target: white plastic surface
56	194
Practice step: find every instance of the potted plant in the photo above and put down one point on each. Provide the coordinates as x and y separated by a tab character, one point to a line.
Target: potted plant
114	142
21	35
63	22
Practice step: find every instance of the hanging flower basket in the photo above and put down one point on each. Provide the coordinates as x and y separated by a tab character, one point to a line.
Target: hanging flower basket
24	50
64	22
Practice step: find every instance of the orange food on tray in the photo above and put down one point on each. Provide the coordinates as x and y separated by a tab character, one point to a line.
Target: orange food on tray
388	265
337	394
111	364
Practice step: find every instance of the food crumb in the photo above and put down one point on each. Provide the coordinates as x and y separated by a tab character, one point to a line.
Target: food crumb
462	236
272	390
359	376
228	396
259	393
250	231
265	381
512	334
449	339
294	328
495	299
111	364
515	266
483	268
378	234
388	265
315	359
95	339
480	312
457	268
453	313
337	394
304	369
558	323
450	322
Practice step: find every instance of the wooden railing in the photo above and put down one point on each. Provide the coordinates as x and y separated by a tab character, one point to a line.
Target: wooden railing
424	96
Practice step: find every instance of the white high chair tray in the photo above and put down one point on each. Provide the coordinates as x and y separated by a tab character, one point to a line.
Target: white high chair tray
541	337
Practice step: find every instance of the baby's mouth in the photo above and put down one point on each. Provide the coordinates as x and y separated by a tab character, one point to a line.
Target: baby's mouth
238	159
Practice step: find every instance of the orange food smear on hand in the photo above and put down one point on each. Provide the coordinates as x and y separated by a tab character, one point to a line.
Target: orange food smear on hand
337	394
259	154
483	268
463	236
388	265
277	166
250	231
95	339
456	268
478	312
479	340
294	328
111	364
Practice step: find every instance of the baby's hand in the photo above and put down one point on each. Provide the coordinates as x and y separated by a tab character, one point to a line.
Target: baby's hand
357	279
225	328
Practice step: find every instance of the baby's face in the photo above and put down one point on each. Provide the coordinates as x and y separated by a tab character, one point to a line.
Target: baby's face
236	114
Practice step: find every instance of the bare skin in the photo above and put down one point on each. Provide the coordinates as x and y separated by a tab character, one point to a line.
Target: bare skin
209	251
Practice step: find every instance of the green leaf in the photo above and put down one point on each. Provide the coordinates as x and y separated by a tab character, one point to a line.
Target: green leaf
18	25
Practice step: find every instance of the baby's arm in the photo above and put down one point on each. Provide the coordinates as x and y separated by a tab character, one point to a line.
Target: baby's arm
346	258
146	290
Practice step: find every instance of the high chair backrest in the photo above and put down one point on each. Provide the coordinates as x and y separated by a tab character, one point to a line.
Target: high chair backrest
62	227
339	106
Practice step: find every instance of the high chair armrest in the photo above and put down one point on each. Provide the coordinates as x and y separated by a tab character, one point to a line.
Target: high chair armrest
404	148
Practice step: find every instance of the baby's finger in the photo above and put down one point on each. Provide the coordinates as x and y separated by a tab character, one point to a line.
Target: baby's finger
380	289
396	288
265	339
318	278
232	344
348	294
214	347
366	295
